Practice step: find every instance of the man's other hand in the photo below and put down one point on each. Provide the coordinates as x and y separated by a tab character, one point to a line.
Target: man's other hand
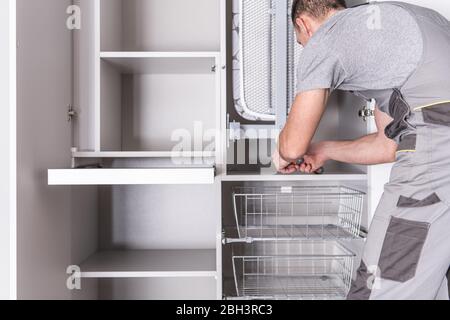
282	165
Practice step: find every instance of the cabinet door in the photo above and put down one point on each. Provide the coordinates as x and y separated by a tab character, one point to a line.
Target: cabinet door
44	91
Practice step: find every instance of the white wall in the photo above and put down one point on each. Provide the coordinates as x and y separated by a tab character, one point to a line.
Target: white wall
441	6
7	147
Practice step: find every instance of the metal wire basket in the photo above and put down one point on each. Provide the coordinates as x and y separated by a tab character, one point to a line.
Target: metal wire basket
311	213
293	270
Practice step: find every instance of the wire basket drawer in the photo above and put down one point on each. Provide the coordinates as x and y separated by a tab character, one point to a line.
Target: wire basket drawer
312	213
293	270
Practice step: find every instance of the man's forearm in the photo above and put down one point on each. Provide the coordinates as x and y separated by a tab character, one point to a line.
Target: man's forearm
369	150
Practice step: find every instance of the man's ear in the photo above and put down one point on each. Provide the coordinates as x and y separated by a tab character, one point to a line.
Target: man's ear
300	24
306	24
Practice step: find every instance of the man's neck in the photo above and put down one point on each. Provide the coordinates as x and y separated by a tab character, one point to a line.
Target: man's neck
331	14
326	18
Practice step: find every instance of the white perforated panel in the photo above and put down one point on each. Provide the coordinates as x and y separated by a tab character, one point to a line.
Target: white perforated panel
254	63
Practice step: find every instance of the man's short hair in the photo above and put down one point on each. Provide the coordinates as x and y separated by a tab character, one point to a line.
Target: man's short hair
316	8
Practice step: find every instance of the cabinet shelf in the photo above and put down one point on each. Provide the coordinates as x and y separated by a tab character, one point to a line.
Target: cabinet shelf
250	177
294	177
150	264
158	54
334	171
162	176
144	154
161	62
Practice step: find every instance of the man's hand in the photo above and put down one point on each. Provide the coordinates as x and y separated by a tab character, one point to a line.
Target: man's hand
302	124
314	159
282	165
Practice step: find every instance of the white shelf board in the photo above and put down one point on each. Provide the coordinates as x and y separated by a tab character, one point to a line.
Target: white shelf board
150	264
154	54
334	171
161	62
161	176
143	154
292	177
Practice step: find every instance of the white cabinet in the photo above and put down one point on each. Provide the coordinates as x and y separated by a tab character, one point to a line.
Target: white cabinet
135	189
127	190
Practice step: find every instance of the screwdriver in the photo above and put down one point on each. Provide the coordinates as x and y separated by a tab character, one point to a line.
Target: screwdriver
318	171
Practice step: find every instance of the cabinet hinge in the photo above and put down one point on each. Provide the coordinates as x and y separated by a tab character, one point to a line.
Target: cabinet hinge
224	237
366	113
71	113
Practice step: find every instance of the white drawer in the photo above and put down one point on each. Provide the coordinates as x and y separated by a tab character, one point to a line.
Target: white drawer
161	176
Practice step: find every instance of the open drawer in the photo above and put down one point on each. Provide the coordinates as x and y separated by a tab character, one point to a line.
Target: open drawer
294	270
301	213
111	169
143	176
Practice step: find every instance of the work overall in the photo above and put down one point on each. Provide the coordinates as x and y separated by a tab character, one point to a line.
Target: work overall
407	253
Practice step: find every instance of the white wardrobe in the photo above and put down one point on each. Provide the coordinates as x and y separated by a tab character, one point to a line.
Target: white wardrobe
111	203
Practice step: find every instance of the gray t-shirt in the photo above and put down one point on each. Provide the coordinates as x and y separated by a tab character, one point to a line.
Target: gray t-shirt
371	47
